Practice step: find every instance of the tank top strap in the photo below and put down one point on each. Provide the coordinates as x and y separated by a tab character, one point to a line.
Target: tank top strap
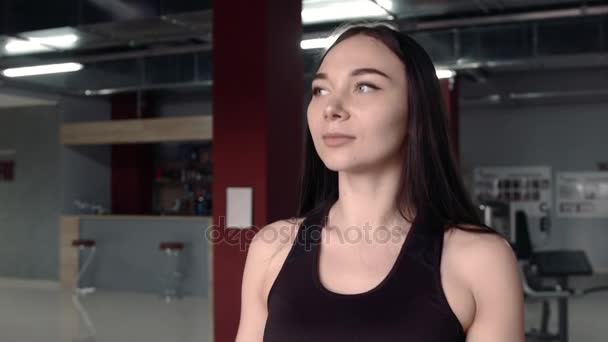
307	237
426	241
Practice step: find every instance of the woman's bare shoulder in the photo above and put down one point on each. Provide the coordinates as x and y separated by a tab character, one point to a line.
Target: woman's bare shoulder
487	265
272	244
476	253
264	251
276	235
474	240
270	241
280	236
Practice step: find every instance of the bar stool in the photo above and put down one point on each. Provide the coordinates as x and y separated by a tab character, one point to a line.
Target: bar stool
172	250
87	247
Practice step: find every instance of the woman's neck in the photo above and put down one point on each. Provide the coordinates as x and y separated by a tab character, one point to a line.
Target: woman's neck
368	200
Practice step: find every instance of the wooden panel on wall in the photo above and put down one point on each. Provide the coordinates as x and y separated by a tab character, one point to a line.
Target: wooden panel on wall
165	218
69	229
190	128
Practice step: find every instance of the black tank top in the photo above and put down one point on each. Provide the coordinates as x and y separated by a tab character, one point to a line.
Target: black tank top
408	305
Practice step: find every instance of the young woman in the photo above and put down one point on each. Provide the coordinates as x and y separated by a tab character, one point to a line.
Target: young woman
387	245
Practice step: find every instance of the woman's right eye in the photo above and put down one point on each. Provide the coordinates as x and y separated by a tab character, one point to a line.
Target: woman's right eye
318	91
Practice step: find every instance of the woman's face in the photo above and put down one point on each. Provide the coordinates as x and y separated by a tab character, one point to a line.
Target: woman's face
360	90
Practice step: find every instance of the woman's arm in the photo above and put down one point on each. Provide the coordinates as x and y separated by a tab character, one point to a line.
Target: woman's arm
267	252
496	286
253	307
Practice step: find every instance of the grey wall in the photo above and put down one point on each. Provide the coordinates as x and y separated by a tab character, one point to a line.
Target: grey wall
86	170
128	256
567	137
30	206
48	178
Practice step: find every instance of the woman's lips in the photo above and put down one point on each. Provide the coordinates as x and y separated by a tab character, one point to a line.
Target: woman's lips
337	140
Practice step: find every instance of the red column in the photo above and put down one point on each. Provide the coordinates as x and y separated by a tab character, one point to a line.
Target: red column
132	165
449	90
257	130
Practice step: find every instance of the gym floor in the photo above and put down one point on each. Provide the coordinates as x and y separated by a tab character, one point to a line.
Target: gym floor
46	313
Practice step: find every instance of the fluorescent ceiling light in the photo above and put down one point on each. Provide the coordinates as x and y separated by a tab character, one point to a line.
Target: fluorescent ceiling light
19	46
42	69
318	11
64	41
40	44
317	43
445	73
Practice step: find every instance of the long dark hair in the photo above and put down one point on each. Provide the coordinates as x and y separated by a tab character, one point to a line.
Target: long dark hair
430	180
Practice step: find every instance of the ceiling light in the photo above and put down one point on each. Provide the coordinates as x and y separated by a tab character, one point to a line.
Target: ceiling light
445	73
20	46
318	11
317	43
64	41
42	69
40	44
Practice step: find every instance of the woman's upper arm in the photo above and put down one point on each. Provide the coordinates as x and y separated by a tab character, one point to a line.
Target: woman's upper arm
253	307
497	288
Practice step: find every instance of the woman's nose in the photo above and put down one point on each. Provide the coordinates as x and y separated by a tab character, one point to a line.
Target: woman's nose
335	111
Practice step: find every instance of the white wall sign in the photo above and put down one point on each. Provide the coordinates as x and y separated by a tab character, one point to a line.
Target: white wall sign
239	204
582	194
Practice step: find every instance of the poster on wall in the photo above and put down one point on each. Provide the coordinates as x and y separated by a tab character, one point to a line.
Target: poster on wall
527	188
582	194
7	165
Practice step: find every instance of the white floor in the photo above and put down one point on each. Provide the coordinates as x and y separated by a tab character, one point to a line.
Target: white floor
46	313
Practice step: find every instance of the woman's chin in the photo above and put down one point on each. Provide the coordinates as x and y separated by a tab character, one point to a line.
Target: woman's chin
342	165
337	166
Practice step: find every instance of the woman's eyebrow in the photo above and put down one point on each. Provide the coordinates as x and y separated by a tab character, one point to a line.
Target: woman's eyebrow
320	76
362	71
356	72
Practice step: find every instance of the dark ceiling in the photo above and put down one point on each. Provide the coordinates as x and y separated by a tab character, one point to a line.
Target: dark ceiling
30	15
127	45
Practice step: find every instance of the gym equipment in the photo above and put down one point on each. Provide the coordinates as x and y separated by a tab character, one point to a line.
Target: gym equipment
558	265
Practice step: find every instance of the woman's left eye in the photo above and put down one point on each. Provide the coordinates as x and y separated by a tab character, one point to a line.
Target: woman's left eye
366	87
